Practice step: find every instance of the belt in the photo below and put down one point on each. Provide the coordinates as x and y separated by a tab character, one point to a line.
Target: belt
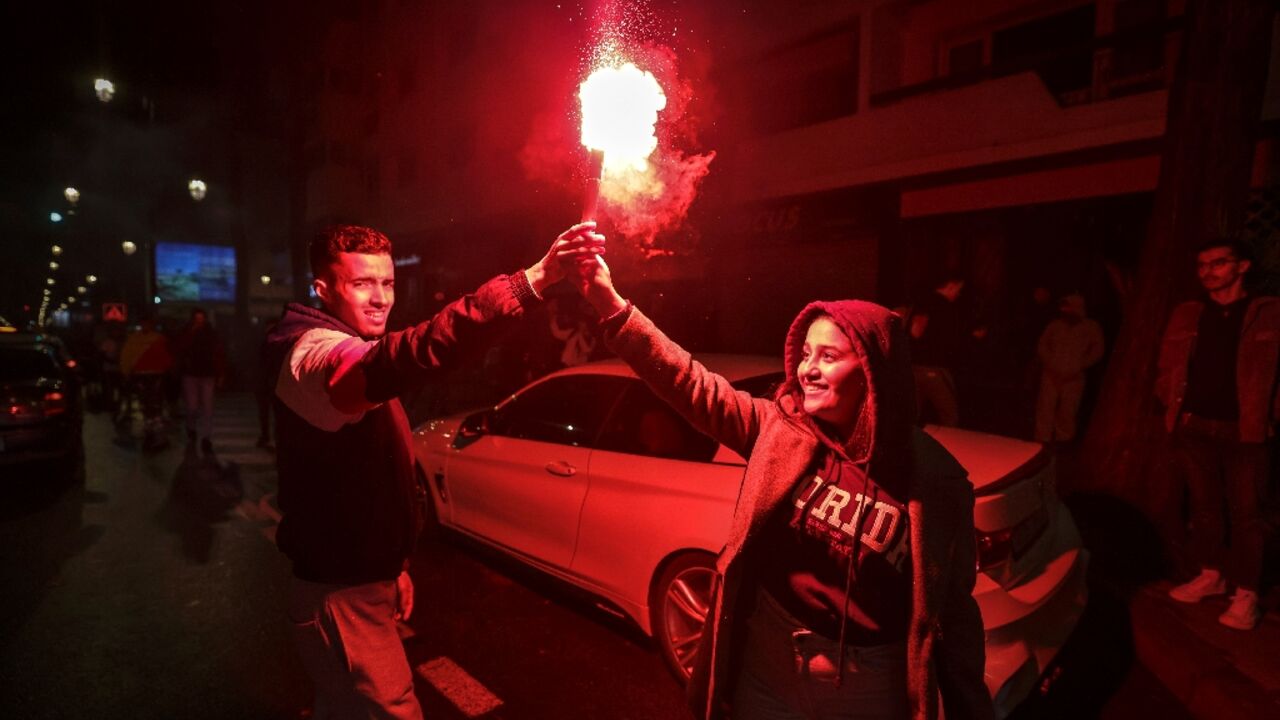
1209	427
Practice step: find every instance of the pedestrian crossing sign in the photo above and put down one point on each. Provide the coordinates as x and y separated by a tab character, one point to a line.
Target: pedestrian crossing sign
115	312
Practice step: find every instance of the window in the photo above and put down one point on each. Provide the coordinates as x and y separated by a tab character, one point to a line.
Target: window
1140	47
22	364
1059	48
645	425
807	82
965	59
564	410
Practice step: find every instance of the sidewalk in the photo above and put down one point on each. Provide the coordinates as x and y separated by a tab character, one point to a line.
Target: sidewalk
1216	672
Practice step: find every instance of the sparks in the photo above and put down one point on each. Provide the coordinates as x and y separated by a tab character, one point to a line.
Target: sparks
620	106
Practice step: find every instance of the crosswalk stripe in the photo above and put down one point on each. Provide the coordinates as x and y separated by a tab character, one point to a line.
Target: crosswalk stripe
464	691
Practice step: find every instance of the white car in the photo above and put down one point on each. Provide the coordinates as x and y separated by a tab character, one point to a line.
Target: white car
588	476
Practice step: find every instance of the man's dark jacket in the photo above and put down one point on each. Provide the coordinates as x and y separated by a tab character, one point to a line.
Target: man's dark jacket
350	498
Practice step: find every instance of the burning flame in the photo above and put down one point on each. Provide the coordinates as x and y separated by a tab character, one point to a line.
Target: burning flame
620	107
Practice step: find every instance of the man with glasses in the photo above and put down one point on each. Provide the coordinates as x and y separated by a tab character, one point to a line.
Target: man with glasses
1217	379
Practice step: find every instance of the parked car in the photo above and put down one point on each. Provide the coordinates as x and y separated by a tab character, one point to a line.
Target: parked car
585	474
40	408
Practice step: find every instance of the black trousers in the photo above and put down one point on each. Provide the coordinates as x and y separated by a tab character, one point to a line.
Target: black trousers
1226	480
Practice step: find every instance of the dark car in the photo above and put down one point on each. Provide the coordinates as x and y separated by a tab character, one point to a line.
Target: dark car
40	409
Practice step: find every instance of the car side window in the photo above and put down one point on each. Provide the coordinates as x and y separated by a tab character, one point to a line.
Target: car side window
567	410
645	425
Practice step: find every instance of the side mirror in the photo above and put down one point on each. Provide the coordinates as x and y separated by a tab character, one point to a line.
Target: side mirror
475	424
473	427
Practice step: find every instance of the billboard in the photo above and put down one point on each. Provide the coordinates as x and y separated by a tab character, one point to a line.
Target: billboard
195	273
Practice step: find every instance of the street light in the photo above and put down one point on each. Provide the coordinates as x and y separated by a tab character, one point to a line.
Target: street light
55	217
56	250
91	279
128	247
72	195
48	281
265	279
104	88
53	264
82	289
197	188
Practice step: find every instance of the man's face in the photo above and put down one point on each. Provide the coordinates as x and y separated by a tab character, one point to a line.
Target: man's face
1219	268
360	289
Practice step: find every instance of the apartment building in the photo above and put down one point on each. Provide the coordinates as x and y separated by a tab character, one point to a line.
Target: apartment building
862	147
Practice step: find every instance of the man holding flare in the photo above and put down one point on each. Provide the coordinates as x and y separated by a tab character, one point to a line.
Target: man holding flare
350	502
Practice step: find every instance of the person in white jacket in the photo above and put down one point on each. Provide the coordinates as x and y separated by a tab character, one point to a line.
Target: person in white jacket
1069	345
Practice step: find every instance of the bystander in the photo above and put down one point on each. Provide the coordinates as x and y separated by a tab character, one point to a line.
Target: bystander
1218	382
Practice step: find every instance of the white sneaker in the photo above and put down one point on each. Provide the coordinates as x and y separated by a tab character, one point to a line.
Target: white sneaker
1208	582
1243	613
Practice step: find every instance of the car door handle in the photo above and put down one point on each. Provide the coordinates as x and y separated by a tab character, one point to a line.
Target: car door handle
561	468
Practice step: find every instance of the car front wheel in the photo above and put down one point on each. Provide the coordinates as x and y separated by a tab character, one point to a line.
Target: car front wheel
678	607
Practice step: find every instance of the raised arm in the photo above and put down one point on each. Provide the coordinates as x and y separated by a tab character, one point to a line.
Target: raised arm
364	374
705	399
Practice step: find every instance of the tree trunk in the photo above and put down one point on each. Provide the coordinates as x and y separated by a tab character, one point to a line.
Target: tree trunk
1214	112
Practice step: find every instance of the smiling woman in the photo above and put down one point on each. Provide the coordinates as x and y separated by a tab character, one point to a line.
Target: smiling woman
829	590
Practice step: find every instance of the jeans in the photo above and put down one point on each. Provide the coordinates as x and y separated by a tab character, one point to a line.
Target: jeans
1226	481
346	635
197	395
790	677
1057	405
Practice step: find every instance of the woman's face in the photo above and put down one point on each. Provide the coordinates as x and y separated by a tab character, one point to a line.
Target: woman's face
830	374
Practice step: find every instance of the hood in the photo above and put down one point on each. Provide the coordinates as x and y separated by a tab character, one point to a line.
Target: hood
296	320
882	437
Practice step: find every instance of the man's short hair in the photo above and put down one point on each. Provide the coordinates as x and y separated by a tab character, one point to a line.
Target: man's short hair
326	245
1239	248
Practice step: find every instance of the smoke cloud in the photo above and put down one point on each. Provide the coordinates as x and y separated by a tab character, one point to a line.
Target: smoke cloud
639	205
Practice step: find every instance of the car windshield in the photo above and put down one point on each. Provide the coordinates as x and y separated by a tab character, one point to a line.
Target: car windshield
761	386
22	364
